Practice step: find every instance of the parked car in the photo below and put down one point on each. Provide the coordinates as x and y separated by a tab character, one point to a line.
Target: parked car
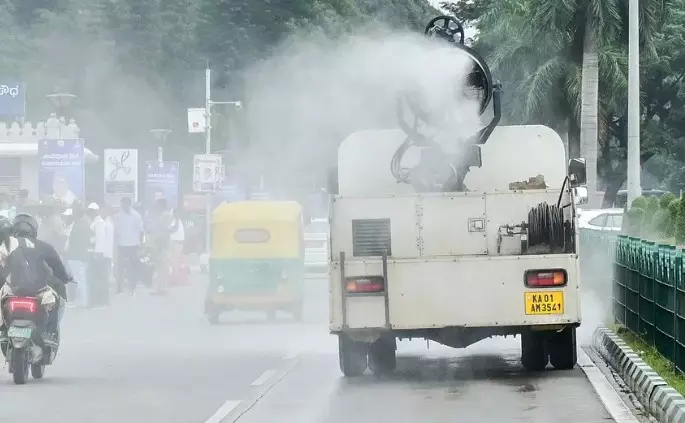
609	220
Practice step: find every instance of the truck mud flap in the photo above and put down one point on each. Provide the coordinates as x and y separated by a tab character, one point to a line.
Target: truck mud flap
343	291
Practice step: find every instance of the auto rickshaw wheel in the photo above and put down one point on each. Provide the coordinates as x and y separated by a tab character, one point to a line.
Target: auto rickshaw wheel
213	316
298	312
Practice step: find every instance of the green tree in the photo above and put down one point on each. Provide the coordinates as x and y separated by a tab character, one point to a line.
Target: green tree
545	48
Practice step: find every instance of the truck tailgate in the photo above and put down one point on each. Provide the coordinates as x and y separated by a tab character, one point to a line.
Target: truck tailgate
469	291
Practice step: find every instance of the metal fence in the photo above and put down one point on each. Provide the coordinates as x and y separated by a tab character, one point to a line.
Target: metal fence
648	289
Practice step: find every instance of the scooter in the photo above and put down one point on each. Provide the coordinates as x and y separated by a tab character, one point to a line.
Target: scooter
25	347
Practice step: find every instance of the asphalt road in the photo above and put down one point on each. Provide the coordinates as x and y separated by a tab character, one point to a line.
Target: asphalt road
156	359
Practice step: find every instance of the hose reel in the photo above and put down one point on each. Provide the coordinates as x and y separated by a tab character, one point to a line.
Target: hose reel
478	85
548	231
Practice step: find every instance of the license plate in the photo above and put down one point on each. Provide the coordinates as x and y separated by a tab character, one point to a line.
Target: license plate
544	302
15	332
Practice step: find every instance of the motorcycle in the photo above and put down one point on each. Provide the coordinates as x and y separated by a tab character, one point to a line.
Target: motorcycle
25	347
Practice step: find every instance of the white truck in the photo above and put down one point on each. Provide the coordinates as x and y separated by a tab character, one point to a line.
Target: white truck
456	266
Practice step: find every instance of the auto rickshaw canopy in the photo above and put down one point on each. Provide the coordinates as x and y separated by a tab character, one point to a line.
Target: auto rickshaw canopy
257	230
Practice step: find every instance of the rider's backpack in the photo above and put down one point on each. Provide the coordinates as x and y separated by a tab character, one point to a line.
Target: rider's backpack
28	272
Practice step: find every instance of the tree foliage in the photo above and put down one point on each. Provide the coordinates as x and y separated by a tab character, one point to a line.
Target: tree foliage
138	64
535	48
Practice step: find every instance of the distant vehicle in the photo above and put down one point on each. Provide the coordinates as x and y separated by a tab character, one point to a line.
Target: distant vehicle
609	220
316	246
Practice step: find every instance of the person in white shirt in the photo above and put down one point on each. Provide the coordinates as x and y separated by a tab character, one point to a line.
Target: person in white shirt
101	250
109	243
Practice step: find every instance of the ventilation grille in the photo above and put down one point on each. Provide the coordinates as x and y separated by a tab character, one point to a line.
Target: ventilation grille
371	237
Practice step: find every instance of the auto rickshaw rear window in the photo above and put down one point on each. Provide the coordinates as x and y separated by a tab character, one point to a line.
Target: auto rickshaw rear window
252	236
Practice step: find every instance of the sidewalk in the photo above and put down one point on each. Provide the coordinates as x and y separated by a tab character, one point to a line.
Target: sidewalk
662	401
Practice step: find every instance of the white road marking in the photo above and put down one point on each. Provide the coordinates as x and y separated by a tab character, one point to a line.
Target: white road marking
618	410
264	377
223	411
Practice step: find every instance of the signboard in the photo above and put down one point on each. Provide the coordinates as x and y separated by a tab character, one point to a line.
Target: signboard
61	170
197	121
161	181
207	176
12	98
121	175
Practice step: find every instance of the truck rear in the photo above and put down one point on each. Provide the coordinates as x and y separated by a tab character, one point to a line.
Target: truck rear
456	267
467	234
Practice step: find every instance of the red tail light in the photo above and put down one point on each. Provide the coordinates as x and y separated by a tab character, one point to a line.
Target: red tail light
364	285
22	304
544	278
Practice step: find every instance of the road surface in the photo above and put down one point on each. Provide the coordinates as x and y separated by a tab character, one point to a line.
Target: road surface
150	359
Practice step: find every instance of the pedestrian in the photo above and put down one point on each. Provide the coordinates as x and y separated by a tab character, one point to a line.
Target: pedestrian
178	259
128	234
161	228
98	263
22	201
109	242
53	230
79	245
6	209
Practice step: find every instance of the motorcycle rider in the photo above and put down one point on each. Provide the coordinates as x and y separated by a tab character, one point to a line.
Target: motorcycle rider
25	226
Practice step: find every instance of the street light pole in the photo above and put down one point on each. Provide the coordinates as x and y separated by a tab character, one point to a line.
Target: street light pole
634	189
208	150
208	147
160	135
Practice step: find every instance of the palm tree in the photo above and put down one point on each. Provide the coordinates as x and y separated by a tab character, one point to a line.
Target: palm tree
558	51
593	25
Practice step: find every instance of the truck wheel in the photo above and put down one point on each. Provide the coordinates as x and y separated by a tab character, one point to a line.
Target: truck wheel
382	357
562	349
352	356
534	355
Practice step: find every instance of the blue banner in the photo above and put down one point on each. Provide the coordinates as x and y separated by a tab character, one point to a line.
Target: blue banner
61	170
161	181
12	98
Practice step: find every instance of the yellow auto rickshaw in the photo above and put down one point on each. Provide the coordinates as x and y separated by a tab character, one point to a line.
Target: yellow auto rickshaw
257	259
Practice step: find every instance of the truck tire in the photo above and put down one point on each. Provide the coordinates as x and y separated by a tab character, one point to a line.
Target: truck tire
382	357
563	352
534	355
352	356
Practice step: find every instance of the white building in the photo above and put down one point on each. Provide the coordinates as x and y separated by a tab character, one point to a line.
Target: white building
19	151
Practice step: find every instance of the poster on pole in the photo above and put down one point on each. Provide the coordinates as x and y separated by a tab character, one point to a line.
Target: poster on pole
207	175
61	170
161	181
121	175
197	121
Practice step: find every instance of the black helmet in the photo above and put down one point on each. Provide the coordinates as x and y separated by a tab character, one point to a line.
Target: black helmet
25	226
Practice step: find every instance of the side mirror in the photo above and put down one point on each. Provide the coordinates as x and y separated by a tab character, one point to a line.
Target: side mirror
580	195
577	172
473	156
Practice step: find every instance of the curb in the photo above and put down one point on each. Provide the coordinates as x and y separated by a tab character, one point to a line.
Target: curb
662	401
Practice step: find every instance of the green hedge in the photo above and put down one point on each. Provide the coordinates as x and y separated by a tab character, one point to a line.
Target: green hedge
656	219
